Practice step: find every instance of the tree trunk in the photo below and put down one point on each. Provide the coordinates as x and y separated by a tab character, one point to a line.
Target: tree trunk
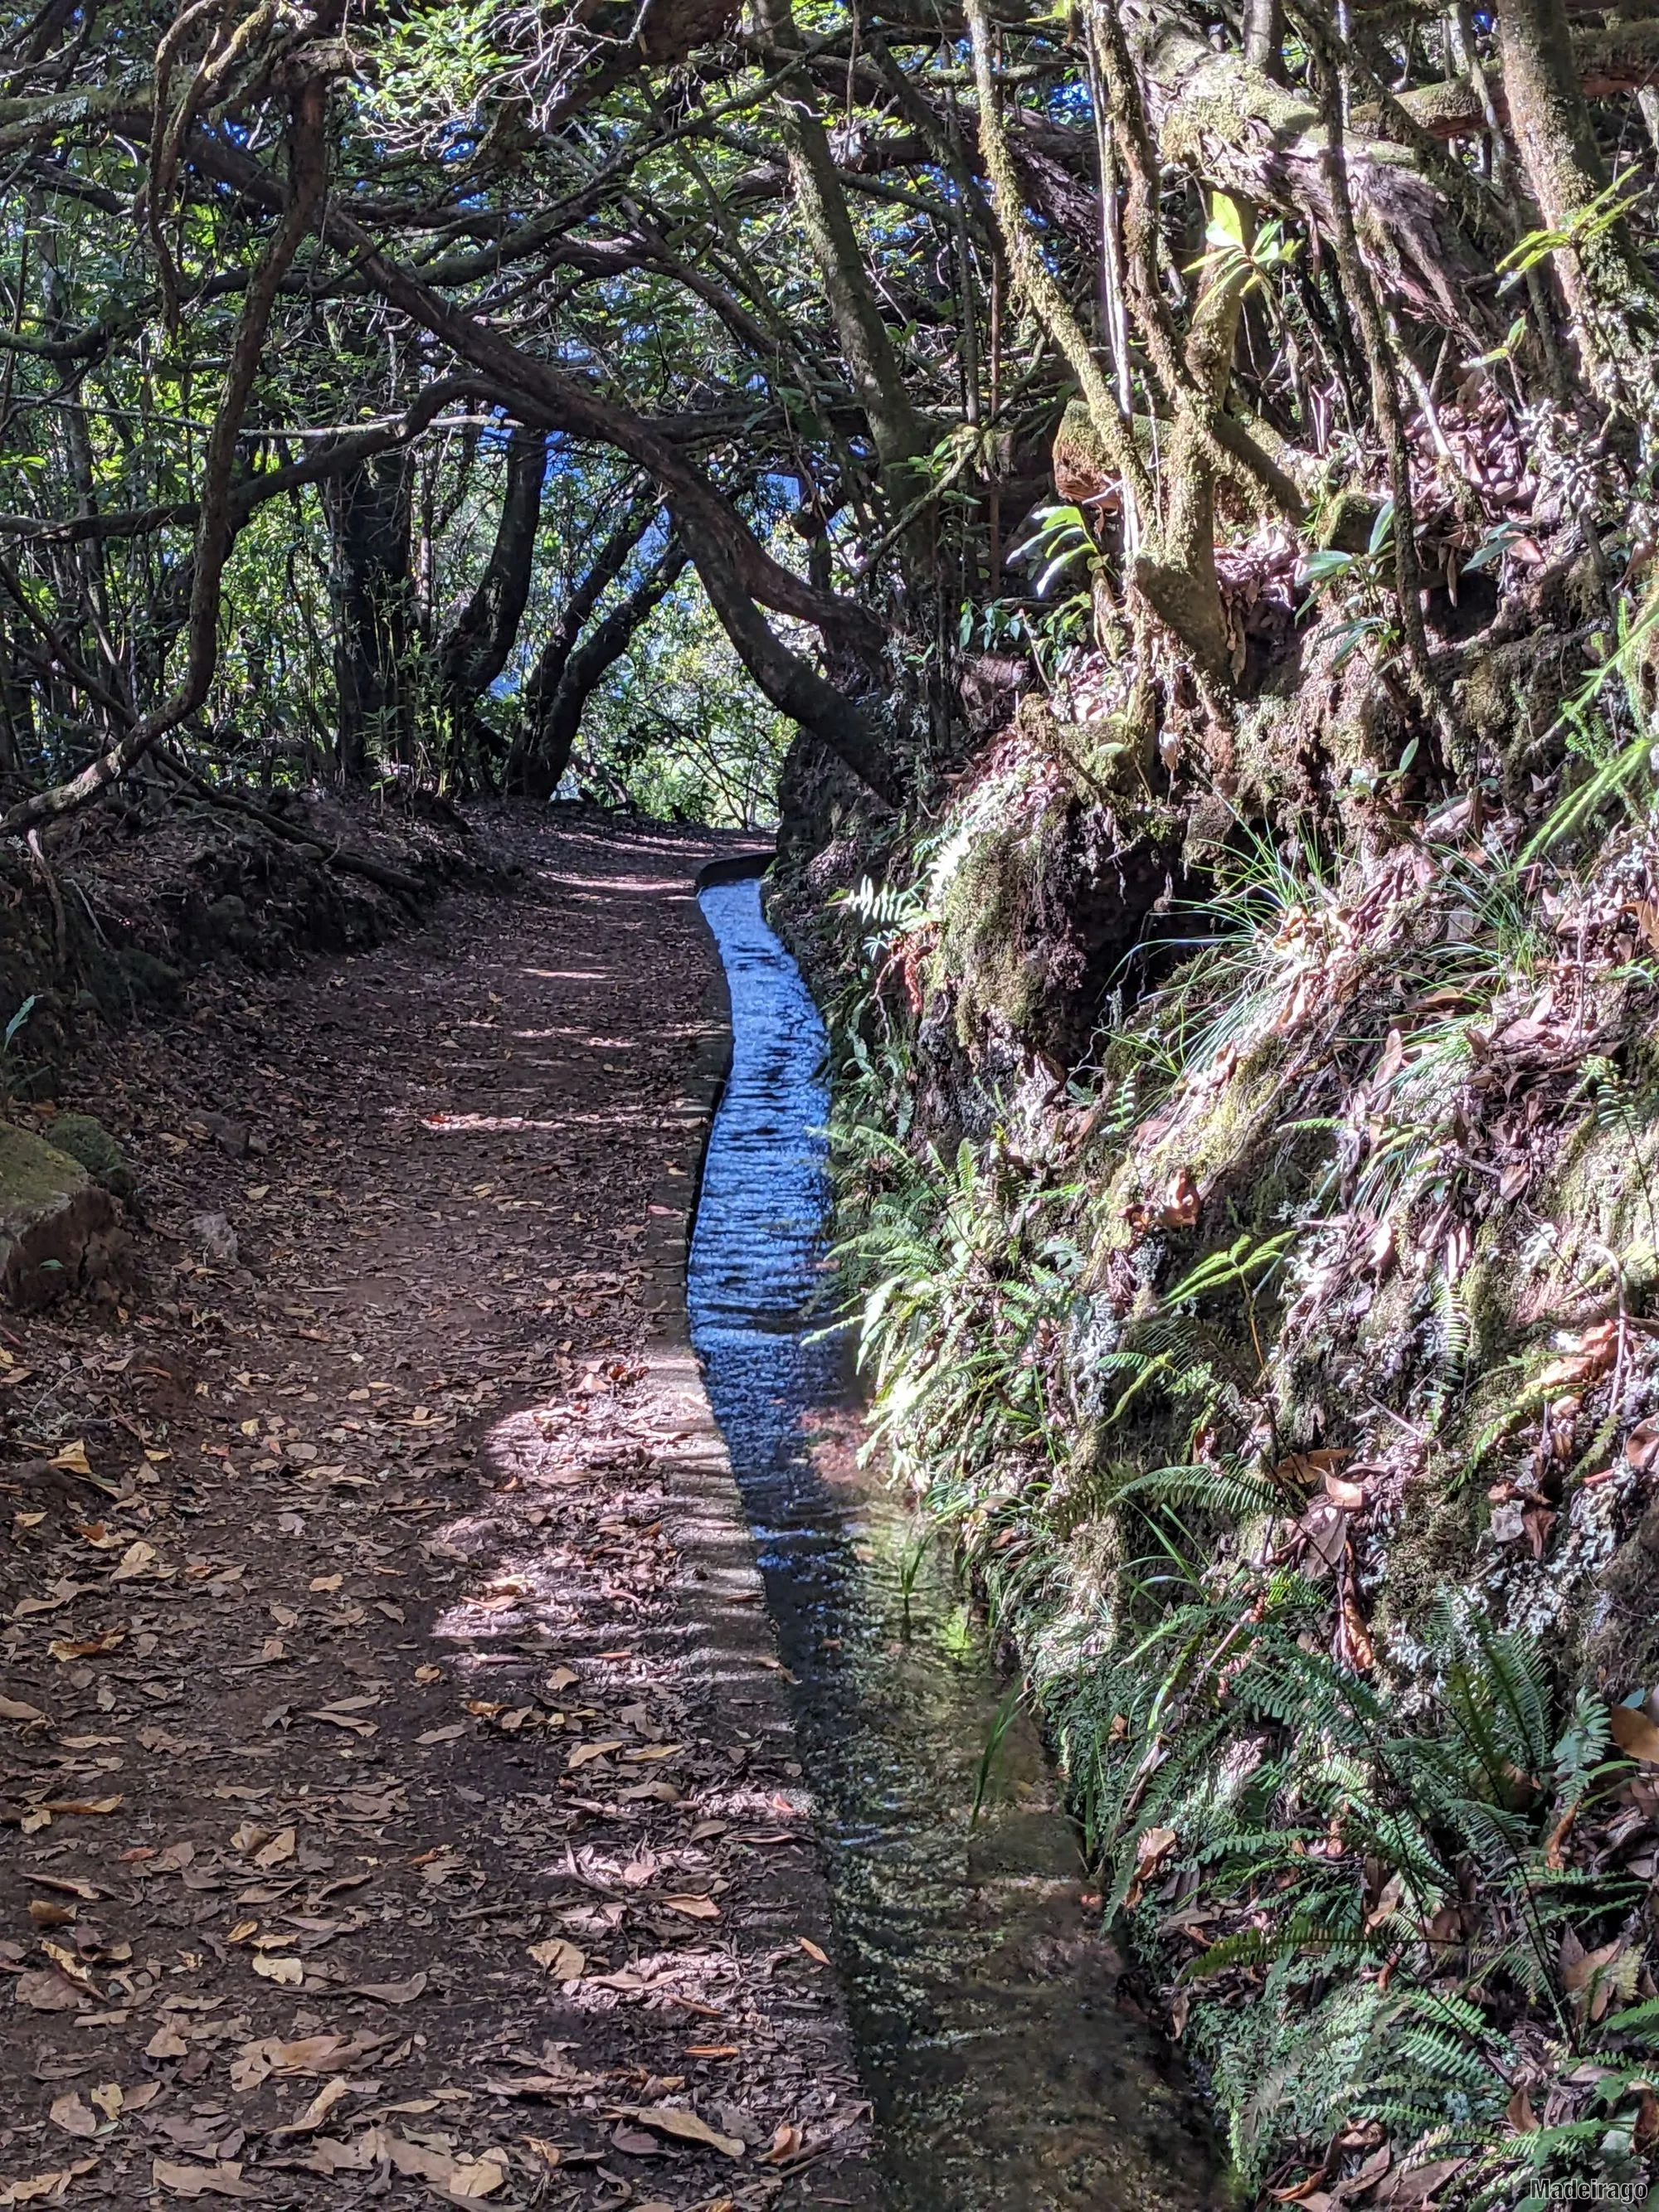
567	627
1231	125
372	592
17	739
847	726
554	734
1177	576
897	429
475	649
1609	295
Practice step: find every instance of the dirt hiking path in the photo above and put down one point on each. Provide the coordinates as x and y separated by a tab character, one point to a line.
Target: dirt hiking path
399	1797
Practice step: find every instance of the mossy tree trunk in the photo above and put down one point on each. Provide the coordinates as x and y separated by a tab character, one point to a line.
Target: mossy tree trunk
898	432
1609	294
372	589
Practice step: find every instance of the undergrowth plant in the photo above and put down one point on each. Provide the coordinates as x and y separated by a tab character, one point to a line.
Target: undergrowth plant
1351	1868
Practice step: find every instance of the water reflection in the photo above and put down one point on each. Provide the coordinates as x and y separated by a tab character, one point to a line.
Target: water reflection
1004	2072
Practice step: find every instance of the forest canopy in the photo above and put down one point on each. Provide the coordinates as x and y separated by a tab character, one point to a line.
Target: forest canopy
385	389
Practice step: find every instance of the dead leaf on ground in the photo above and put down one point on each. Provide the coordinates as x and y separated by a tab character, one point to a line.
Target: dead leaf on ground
583	1753
1416	2184
65	1651
1308	1468
45	2188
564	1961
44	1989
74	2117
685	2127
222	2179
395	1993
1635	1734
692	1908
318	2110
287	1972
310	2054
1581	1358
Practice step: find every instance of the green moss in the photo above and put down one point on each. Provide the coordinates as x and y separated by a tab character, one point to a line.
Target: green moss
1210	1145
1607	1185
33	1173
1433	1550
1346	524
90	1142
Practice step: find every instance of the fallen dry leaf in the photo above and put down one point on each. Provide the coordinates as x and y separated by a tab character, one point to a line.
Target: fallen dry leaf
478	2178
395	1993
45	2188
1520	2114
685	2127
64	1651
318	2109
562	1959
74	2117
46	1991
1635	1734
288	1972
13	1709
692	1908
222	2179
582	1754
310	2054
1583	1358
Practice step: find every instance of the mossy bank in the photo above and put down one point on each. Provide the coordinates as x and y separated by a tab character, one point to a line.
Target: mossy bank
1252	1215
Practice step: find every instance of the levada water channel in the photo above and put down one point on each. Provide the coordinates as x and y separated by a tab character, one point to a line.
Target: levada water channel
1002	2069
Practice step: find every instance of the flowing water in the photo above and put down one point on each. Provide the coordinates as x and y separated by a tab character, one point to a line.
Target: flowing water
1003	2070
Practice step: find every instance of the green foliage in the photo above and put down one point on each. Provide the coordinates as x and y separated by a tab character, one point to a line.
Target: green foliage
677	730
1616	764
1592	222
1382	1904
430	68
1249	265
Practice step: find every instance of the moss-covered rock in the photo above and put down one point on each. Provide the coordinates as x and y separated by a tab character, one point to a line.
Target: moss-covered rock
88	1140
59	1231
